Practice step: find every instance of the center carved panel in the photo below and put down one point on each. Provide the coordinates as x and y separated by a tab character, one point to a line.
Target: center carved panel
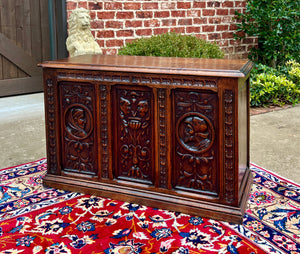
195	141
134	134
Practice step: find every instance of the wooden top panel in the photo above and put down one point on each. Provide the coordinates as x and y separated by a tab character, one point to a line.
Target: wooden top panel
162	65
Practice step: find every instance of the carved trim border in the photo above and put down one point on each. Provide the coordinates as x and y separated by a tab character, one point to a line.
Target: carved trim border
229	146
104	133
162	138
52	158
141	79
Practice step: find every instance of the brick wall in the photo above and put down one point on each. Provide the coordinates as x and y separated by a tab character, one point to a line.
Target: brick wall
114	23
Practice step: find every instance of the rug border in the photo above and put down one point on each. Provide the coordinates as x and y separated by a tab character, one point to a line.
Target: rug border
23	164
276	175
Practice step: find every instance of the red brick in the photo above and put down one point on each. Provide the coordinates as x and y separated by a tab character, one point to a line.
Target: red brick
214	20
199	4
101	43
96	24
227	35
106	34
183	5
106	14
93	15
95	6
208	28
185	22
232	11
227	19
213	4
144	14
143	32
222	27
109	51
113	6
202	36
234	42
71	6
233	27
222	12
240	4
227	4
240	49
162	14
161	31
208	12
132	6
193	29
193	13
82	5
133	23
114	43
125	15
152	23
113	24
223	43
199	21
125	33
179	30
148	6
168	22
214	36
129	41
178	13
168	5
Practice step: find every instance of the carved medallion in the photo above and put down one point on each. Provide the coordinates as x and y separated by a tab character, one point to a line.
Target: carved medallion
135	134
78	121
195	132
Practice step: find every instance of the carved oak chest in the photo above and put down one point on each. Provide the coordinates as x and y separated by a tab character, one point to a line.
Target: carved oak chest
172	133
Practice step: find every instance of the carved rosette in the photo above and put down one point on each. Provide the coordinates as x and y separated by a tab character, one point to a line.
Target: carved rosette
77	103
135	135
229	146
52	157
195	145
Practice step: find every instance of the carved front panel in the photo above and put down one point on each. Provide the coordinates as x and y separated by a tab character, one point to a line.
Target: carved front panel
134	135
196	149
77	123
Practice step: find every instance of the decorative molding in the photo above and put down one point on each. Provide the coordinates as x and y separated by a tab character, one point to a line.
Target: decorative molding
104	133
229	146
52	146
141	79
162	138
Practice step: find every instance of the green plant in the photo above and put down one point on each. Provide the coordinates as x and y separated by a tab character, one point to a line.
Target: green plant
276	23
173	45
269	89
294	71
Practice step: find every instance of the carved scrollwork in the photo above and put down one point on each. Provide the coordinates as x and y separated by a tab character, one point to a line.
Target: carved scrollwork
135	134
195	140
78	132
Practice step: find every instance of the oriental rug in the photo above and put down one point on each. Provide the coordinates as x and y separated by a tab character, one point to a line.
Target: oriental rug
35	219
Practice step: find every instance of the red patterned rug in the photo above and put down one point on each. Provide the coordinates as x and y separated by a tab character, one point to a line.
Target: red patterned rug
34	219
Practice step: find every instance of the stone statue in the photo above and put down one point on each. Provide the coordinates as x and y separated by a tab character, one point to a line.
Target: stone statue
81	40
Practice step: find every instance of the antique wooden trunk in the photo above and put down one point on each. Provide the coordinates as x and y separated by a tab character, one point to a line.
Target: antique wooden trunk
171	133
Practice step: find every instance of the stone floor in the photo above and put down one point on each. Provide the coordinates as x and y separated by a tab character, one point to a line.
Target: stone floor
274	137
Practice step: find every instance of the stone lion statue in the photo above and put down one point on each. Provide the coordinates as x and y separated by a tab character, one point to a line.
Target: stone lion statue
81	40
